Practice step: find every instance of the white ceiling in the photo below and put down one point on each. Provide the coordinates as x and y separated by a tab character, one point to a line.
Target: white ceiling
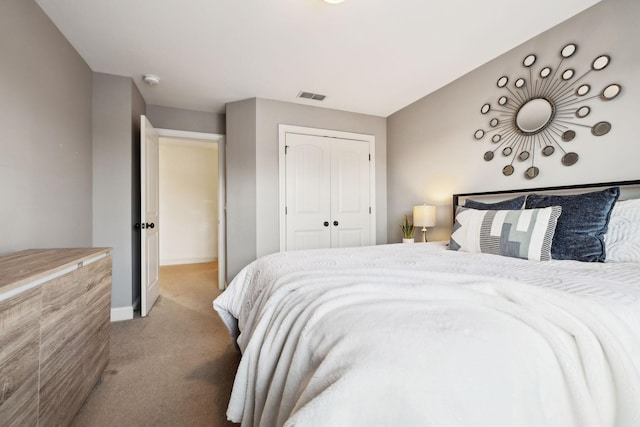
366	56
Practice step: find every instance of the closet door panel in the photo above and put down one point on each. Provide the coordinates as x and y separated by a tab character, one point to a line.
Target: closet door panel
327	187
308	192
350	194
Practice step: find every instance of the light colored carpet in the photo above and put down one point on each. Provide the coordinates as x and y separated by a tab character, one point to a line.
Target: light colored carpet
172	368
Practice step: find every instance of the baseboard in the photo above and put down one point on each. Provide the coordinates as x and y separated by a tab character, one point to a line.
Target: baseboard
121	313
164	262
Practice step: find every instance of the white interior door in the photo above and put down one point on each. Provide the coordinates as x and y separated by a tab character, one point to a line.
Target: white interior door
308	192
350	204
149	216
327	192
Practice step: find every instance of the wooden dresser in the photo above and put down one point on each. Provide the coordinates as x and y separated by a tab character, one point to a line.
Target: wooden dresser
55	307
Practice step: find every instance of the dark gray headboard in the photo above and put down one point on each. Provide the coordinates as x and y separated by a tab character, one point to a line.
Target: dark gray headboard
558	189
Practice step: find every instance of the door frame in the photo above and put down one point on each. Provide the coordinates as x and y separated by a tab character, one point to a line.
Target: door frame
283	130
222	197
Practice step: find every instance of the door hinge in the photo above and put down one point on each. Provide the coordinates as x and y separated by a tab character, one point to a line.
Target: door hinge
369	157
369	209
286	147
285	210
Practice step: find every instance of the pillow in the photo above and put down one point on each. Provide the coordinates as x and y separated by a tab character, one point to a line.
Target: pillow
523	234
511	204
622	241
584	220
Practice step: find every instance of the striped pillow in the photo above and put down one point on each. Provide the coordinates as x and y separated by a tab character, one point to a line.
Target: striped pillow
523	234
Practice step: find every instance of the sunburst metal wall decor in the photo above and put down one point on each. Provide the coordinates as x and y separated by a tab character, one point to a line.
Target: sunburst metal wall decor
537	113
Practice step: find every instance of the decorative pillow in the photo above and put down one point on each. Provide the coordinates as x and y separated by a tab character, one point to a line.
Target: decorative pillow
511	204
581	228
622	241
523	234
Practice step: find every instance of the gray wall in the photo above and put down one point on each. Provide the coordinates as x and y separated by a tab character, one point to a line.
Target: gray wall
189	120
116	104
240	152
45	146
138	108
431	149
252	170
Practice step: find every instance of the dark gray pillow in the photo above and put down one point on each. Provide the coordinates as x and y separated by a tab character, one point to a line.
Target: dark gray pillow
581	227
511	204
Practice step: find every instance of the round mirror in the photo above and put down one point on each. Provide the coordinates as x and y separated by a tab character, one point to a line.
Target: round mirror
568	135
601	128
532	172
570	159
529	60
583	112
534	115
568	50
600	62
548	150
583	90
542	109
610	92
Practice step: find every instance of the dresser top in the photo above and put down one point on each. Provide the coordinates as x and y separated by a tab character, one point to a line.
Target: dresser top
23	267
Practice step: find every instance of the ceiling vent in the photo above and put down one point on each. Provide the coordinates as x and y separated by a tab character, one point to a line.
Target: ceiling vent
309	95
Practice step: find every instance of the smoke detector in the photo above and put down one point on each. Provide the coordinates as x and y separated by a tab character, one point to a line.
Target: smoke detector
150	79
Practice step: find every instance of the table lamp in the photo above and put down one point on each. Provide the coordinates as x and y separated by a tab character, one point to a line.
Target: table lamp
424	216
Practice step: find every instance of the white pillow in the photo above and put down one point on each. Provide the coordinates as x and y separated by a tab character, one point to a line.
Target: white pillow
622	241
526	233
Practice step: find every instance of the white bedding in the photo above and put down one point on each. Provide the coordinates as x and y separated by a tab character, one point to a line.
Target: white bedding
415	335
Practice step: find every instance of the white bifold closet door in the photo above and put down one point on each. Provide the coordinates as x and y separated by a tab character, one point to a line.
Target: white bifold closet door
327	192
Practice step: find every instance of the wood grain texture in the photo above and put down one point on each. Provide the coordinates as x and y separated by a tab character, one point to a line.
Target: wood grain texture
98	322
19	344
54	338
62	336
27	266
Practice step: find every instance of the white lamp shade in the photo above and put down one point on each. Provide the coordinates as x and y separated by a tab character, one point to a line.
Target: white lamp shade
424	216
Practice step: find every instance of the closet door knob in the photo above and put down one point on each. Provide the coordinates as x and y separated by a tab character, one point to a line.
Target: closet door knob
326	223
335	222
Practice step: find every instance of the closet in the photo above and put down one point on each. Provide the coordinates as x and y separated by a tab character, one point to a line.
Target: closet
328	192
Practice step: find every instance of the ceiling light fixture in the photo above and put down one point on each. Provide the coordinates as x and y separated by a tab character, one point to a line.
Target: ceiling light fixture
150	79
333	1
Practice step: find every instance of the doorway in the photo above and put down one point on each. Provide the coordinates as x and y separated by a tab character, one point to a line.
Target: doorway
192	200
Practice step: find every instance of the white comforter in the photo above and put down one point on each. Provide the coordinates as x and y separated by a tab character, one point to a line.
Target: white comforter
414	335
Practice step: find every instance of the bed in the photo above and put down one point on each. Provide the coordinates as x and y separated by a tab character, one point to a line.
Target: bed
423	335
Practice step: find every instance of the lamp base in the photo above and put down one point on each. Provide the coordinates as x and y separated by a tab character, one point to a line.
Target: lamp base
424	234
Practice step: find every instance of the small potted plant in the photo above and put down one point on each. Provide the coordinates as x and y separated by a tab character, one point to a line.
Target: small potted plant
407	231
